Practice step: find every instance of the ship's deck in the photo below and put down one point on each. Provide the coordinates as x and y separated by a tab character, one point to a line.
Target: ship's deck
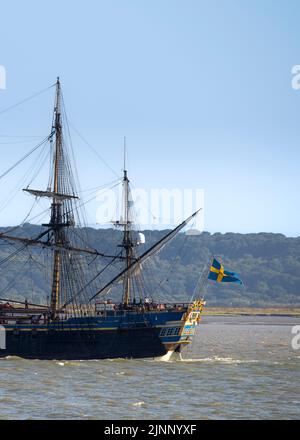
41	315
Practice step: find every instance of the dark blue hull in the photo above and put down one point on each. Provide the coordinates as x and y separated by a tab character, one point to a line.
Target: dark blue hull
129	335
82	344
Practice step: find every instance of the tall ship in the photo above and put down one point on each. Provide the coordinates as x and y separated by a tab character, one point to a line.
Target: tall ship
81	319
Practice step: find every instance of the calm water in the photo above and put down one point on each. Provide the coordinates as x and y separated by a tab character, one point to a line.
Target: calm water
238	367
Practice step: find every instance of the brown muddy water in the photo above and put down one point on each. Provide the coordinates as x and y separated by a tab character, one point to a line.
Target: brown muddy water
237	368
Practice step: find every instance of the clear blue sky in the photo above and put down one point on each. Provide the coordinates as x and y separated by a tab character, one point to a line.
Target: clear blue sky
201	89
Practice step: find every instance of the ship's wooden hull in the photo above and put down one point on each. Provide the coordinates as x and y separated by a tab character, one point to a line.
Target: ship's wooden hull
126	334
82	344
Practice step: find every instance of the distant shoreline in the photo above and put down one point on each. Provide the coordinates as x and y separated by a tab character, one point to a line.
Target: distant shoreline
252	311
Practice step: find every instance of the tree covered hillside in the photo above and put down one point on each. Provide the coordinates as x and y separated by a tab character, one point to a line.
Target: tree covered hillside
268	264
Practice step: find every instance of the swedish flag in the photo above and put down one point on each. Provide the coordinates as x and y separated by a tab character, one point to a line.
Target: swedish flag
217	273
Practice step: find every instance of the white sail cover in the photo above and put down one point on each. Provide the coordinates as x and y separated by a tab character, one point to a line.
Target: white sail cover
141	239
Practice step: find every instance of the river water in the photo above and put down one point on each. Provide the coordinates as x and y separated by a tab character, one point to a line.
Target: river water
237	368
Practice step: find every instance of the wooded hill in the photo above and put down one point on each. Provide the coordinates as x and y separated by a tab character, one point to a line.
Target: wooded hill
268	264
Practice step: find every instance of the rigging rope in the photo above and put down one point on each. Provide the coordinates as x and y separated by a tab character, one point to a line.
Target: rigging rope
26	99
27	155
93	149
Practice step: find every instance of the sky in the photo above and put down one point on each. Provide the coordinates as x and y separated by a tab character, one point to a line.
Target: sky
202	90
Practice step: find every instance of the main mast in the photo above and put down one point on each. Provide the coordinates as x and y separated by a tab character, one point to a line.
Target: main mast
61	190
56	206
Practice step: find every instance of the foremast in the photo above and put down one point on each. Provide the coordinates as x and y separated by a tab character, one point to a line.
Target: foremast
127	242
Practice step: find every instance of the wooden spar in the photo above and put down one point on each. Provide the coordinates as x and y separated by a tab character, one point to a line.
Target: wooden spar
57	246
50	194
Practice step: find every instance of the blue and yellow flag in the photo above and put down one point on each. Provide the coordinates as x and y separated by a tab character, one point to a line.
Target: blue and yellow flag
217	273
